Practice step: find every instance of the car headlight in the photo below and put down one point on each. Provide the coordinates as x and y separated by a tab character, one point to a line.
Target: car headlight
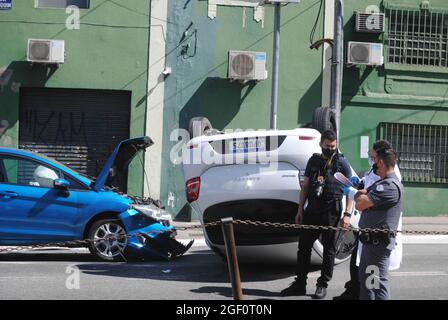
153	212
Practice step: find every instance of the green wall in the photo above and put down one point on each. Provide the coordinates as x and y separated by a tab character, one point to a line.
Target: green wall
386	94
109	51
198	85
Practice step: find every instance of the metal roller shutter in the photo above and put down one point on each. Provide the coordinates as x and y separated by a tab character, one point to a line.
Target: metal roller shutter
78	127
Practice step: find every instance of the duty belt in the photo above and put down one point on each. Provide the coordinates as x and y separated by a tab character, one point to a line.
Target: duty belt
377	238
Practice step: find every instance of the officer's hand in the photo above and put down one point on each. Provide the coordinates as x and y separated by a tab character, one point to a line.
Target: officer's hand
355	180
345	222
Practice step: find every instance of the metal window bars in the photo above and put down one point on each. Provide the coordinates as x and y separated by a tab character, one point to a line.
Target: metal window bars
422	150
417	37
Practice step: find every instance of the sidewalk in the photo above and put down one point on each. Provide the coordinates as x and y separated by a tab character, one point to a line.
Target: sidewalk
439	223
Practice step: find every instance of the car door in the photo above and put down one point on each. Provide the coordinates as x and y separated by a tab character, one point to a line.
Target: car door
32	211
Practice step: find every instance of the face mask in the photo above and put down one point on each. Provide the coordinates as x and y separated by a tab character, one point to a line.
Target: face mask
371	162
375	168
328	152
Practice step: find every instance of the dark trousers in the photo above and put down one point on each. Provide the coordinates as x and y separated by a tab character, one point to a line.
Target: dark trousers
374	286
353	284
307	239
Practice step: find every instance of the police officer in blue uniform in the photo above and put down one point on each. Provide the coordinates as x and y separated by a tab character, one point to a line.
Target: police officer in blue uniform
381	207
324	208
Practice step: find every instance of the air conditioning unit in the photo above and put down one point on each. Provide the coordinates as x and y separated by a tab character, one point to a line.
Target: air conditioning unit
247	65
46	51
369	22
366	53
280	1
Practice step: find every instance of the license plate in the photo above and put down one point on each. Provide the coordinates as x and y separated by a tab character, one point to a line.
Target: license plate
248	145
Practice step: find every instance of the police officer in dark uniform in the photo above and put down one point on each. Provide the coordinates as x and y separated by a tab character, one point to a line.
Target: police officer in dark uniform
324	208
381	207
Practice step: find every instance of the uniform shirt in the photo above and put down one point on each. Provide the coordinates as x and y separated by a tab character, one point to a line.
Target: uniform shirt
332	189
387	197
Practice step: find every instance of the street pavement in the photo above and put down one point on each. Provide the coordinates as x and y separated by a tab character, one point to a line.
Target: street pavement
201	275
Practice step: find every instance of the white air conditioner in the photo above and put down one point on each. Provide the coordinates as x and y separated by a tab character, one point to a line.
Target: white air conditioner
369	22
280	1
367	53
247	65
46	51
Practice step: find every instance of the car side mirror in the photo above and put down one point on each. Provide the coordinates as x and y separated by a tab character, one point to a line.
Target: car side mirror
61	184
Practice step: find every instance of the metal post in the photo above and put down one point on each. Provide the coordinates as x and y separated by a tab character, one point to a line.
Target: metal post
338	62
275	67
232	260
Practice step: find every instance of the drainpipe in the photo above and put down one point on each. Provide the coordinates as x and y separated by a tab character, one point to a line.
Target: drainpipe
337	62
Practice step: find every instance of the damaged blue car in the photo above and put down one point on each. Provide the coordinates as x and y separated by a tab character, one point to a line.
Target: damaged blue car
43	201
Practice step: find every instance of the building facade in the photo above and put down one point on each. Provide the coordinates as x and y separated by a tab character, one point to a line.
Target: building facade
76	111
148	66
404	101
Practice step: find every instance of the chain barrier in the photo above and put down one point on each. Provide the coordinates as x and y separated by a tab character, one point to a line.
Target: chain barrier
86	242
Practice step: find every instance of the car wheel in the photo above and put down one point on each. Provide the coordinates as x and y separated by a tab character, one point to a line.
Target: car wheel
199	126
324	119
107	239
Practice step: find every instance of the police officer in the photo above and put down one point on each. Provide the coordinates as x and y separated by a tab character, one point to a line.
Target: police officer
381	207
352	286
324	208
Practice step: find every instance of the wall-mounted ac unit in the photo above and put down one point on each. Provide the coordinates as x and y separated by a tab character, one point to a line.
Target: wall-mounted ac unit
46	51
366	53
369	22
280	1
247	65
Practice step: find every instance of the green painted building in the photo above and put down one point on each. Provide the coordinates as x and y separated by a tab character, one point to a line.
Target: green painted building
147	67
78	110
405	100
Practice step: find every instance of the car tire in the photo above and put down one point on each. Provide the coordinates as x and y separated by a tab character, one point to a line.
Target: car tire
324	119
107	250
199	126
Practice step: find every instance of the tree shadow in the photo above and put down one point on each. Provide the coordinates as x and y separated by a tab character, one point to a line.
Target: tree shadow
16	75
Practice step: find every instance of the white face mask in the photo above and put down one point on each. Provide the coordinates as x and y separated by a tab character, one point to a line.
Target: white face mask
371	162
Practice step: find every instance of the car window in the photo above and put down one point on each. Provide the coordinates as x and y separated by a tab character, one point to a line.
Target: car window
74	185
28	173
3	176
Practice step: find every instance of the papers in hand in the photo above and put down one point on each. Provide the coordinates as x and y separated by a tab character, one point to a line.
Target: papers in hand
343	179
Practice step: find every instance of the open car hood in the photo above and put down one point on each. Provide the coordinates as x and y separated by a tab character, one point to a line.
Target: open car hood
119	160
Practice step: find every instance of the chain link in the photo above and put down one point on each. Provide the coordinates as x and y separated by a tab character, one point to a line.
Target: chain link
81	243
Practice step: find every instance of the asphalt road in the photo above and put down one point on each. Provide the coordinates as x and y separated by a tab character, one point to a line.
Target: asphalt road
199	275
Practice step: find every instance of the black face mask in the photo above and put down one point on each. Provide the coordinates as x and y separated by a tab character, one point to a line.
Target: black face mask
328	152
375	168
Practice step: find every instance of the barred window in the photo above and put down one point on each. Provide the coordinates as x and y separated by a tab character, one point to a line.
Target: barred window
62	4
422	150
417	37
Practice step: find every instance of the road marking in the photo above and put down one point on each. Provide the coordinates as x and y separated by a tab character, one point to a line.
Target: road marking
419	274
425	239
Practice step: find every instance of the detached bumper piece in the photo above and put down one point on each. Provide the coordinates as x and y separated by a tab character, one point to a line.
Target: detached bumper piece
144	246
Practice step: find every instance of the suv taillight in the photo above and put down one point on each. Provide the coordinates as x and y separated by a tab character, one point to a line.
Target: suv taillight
193	187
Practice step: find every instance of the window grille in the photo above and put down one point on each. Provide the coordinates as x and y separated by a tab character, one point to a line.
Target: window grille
62	4
417	37
422	150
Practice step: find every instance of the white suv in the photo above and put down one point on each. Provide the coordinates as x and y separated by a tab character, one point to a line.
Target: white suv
254	176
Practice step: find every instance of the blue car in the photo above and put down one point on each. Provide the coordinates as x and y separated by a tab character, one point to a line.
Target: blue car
43	201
